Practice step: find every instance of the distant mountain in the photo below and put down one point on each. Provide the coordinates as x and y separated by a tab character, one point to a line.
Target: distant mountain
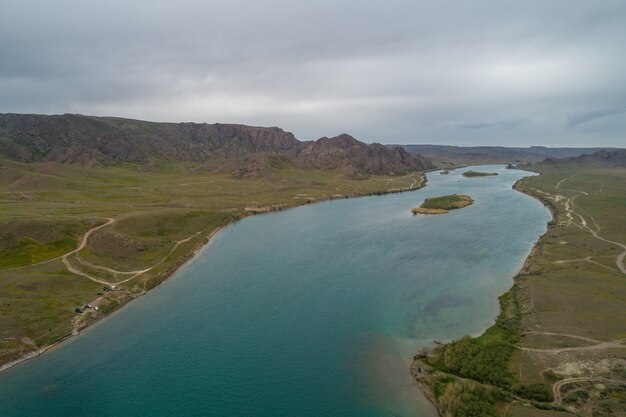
455	155
244	150
603	157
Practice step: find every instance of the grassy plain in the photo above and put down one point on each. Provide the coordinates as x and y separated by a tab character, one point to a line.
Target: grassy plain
557	347
152	221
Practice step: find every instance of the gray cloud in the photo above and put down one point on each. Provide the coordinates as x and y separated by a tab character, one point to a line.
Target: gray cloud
508	124
586	117
489	72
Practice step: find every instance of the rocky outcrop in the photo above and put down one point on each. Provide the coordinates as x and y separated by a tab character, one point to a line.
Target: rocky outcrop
348	154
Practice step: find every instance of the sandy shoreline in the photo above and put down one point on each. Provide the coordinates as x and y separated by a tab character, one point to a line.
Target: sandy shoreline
188	257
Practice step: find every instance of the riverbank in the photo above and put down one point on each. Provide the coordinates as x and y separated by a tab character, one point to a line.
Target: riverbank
124	297
444	389
337	283
561	324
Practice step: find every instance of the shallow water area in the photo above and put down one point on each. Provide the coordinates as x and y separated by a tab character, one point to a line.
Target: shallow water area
314	311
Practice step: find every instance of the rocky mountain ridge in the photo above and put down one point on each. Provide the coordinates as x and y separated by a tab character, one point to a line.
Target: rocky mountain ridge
88	141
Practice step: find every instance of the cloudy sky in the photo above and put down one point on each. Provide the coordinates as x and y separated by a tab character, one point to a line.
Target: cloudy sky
515	73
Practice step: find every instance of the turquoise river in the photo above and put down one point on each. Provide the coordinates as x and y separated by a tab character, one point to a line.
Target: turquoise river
314	311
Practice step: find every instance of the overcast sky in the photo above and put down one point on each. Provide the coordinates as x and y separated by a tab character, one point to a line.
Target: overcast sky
515	73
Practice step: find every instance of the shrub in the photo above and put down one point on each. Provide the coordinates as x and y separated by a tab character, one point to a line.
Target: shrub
467	399
483	362
538	392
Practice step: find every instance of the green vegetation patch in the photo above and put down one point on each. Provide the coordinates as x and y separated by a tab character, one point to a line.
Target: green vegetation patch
28	251
473	174
140	241
483	365
443	204
29	242
484	361
485	358
468	399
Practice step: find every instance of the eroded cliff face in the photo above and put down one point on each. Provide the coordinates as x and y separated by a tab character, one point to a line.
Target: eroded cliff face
88	141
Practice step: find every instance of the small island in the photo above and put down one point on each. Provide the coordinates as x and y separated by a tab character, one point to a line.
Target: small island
441	205
473	174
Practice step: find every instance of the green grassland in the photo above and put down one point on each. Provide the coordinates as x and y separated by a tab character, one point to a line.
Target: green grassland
443	204
152	220
447	202
563	324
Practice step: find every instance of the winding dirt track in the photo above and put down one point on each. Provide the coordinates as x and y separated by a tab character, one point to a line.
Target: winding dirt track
599	344
178	243
83	243
570	213
614	344
134	275
583	225
64	258
107	269
587	259
81	246
420	179
82	274
556	388
573	336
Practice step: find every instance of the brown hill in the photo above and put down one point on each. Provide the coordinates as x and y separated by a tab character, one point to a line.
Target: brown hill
346	153
245	150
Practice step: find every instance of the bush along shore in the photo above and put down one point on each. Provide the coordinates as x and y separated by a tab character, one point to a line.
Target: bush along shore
470	376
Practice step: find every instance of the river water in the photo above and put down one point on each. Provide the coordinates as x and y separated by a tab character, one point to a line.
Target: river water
314	311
